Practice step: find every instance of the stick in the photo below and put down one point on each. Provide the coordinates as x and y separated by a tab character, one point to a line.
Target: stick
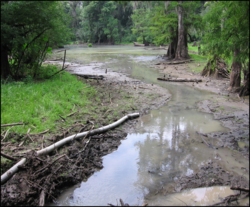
7	175
41	132
62	118
8	156
6	134
71	114
29	135
42	141
205	135
5	125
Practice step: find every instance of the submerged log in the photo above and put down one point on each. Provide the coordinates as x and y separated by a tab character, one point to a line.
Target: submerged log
180	80
138	44
86	76
9	173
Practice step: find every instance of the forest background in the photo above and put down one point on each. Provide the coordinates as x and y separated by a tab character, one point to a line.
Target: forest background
30	29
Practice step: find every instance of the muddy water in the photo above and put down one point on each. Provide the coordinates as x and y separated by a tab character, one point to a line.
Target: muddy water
163	146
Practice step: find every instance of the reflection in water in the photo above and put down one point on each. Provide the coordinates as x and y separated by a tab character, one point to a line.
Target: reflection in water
164	146
194	197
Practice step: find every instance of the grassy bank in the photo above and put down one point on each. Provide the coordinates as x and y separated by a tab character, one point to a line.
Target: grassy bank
39	104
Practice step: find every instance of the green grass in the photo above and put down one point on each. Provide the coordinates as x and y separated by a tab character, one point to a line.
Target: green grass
199	59
40	104
190	48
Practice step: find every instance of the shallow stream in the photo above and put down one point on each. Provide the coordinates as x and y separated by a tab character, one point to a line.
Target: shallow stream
162	147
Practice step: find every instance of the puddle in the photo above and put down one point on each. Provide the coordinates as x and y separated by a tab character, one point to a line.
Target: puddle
164	146
194	197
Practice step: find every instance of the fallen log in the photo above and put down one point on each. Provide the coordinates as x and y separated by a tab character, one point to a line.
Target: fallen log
138	44
9	173
239	188
178	62
86	76
225	117
179	80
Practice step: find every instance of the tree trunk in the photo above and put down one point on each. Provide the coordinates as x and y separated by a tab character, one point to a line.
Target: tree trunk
182	49
235	71
5	67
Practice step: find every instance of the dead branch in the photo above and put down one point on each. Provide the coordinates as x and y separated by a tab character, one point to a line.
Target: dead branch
8	156
8	174
5	125
239	188
227	199
49	164
41	132
71	114
6	134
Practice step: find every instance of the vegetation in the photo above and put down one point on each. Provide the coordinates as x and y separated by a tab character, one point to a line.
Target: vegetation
39	104
29	29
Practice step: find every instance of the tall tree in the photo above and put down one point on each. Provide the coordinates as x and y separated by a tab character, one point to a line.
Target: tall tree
182	48
233	38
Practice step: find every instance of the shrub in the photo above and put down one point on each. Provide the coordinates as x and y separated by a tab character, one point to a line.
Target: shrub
90	45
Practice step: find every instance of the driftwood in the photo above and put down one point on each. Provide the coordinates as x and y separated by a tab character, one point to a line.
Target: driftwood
138	44
179	80
9	173
86	76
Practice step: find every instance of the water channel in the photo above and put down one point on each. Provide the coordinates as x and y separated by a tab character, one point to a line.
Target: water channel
164	141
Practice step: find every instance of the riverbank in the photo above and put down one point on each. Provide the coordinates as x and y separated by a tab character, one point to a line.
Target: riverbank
118	95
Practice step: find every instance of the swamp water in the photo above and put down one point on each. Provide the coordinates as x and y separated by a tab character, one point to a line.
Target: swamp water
162	147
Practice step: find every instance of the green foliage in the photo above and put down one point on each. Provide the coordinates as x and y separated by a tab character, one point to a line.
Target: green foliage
40	103
226	27
29	29
89	45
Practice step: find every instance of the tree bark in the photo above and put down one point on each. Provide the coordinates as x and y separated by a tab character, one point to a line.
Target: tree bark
235	70
173	44
5	67
182	49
